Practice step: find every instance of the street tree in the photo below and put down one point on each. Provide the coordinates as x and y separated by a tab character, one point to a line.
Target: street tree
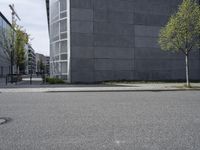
182	32
21	40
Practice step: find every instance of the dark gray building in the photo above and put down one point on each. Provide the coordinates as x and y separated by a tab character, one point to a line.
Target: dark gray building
99	40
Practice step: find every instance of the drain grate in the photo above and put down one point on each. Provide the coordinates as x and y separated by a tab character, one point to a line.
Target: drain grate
4	120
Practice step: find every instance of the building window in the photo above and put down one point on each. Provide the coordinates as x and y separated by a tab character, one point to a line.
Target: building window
63	47
63	15
64	67
63	56
63	35
63	5
63	25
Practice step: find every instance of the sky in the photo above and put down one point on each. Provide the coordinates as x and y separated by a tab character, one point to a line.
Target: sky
33	19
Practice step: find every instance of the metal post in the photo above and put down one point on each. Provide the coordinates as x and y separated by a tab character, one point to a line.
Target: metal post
11	68
31	71
6	79
31	79
45	71
12	47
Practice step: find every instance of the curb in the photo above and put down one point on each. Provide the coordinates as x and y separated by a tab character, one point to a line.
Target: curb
131	90
94	89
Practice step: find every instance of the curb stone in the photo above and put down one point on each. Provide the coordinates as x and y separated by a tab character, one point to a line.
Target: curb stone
93	89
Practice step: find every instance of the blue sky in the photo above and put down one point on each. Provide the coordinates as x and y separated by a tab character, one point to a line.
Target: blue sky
33	19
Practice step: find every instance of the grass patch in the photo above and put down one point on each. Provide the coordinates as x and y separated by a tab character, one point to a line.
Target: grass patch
145	82
55	81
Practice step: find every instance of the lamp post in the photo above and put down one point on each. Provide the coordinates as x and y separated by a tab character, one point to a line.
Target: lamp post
14	14
45	71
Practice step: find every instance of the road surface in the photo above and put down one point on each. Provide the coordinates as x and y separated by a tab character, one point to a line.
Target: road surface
100	121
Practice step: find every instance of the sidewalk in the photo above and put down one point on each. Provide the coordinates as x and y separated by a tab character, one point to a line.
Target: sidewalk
114	87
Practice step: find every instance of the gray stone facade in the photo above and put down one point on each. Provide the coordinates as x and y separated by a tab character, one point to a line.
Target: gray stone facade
117	40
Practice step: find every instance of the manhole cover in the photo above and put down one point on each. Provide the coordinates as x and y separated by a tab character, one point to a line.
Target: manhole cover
4	120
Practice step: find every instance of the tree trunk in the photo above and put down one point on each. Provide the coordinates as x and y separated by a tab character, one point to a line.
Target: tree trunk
187	70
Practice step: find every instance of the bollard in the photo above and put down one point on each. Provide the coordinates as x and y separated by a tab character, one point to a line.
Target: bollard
6	79
30	80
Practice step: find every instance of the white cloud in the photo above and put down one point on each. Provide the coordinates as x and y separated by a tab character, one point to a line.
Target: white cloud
33	19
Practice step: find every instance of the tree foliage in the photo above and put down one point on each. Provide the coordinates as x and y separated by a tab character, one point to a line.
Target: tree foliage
21	40
182	31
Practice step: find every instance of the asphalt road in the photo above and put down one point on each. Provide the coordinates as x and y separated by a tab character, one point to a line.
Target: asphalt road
101	121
